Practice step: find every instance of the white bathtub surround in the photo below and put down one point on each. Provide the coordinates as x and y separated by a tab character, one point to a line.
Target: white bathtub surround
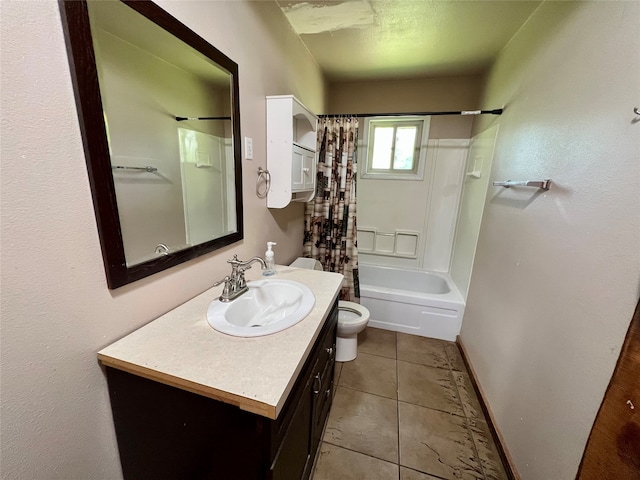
206	160
397	243
474	192
415	230
180	349
411	301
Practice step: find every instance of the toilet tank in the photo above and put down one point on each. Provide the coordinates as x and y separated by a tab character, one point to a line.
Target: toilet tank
308	263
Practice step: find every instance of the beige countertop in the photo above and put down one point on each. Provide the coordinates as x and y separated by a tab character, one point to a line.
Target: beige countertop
256	374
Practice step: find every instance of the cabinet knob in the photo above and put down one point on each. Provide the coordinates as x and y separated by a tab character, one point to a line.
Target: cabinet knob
306	171
332	352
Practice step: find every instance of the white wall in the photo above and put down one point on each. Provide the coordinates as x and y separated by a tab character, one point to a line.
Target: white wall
556	275
56	309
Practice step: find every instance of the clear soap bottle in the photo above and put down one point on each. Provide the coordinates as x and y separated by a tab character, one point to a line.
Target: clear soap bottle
269	258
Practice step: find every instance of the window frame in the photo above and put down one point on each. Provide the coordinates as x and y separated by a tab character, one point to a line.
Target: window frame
420	149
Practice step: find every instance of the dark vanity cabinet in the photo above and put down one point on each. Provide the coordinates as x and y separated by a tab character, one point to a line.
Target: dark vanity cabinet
164	432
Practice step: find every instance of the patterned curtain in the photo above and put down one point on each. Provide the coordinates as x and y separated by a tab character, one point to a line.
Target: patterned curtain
330	219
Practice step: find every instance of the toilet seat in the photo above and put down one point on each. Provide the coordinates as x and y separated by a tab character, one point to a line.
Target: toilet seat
351	313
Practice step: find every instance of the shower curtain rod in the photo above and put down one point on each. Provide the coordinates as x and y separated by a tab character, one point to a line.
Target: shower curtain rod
181	119
497	111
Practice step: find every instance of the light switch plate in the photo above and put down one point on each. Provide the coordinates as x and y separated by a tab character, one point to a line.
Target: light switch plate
248	148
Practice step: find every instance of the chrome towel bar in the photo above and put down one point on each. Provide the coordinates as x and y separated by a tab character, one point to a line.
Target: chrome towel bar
542	184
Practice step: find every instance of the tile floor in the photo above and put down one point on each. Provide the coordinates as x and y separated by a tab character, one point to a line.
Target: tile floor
405	409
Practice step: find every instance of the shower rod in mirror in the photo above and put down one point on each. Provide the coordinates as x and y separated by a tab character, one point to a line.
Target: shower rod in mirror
147	168
496	111
180	119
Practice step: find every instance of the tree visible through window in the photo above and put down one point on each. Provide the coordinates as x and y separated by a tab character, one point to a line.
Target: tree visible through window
394	146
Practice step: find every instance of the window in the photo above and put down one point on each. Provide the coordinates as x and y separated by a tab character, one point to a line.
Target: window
394	147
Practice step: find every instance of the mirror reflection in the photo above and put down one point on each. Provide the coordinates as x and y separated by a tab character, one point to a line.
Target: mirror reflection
168	116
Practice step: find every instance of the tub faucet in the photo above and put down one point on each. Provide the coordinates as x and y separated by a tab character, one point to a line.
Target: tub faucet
162	249
235	284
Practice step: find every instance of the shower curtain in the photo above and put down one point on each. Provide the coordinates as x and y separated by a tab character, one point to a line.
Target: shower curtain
330	218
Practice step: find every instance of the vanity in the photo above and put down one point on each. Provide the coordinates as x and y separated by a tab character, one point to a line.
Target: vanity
191	402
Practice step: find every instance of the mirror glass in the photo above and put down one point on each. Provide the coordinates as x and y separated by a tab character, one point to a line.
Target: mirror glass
166	112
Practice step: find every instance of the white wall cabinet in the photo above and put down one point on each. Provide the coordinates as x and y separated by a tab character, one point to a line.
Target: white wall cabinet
291	151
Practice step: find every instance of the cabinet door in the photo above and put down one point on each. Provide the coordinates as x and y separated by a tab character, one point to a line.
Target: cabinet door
293	460
309	170
302	169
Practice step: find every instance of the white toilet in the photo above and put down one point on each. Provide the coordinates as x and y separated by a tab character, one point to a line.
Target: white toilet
352	319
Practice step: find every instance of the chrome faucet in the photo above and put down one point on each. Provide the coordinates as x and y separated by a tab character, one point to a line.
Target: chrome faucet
235	284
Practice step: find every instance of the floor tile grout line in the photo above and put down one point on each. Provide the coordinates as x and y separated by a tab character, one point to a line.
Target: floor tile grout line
431	408
402	401
448	369
424	473
408	361
376	354
362	453
369	393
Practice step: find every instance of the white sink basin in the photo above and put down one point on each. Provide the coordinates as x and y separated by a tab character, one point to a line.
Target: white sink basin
269	306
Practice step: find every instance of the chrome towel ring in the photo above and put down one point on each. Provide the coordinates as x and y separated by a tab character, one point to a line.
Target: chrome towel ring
266	176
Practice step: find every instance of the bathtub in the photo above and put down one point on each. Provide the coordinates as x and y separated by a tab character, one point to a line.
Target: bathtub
411	301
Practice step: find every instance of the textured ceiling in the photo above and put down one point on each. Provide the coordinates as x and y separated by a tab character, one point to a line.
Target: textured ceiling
376	39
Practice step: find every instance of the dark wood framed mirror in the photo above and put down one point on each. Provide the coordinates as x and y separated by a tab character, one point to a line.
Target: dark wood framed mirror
160	120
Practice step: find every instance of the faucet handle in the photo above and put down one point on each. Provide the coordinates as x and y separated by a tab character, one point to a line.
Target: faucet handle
242	283
226	291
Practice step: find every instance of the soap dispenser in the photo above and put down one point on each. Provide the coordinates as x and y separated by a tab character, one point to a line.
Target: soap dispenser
269	258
